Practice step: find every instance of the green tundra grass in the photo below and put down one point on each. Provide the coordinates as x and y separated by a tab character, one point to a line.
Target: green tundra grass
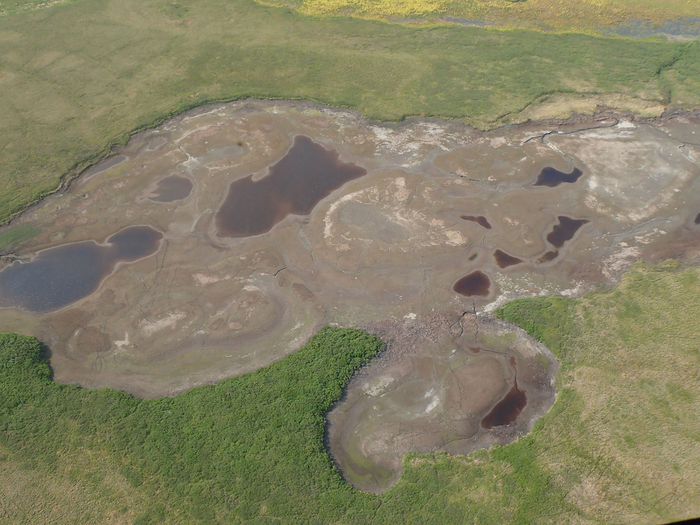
620	445
550	15
78	77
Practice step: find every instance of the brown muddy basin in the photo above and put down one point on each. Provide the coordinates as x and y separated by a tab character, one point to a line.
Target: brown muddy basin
444	383
279	217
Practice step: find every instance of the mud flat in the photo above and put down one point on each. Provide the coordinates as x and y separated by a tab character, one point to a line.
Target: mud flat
443	383
376	227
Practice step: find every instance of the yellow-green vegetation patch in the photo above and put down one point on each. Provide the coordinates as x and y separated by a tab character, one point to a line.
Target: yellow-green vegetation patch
80	77
623	439
550	15
620	444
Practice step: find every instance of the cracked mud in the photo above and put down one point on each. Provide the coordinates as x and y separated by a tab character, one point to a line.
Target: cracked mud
382	251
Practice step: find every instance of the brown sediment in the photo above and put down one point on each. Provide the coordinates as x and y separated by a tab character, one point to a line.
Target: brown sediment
430	390
388	244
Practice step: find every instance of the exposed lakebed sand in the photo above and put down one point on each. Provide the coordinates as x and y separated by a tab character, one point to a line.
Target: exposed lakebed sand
424	228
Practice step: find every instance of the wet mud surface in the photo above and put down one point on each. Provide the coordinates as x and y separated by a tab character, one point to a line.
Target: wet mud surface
378	238
445	382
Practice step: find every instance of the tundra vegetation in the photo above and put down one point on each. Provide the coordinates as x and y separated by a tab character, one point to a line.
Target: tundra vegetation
80	77
592	16
619	446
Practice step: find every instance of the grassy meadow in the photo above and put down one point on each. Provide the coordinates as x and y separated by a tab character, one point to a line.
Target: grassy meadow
590	16
620	444
78	77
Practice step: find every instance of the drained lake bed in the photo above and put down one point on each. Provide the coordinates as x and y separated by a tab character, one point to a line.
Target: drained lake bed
261	221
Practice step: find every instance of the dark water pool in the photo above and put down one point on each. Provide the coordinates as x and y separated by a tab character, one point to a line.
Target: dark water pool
476	283
62	275
306	174
549	256
564	231
104	166
503	260
552	177
479	219
172	188
506	410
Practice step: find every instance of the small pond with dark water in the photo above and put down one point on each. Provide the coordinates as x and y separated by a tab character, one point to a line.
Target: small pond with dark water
479	219
59	276
552	177
503	260
172	188
509	408
564	231
475	283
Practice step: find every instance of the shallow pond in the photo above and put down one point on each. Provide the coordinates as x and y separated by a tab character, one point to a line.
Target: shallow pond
552	177
307	174
171	189
59	276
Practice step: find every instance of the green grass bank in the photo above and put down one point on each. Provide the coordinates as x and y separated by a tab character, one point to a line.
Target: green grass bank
620	444
79	77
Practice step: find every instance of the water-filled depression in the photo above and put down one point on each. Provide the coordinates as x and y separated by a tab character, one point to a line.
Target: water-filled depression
59	276
172	188
306	174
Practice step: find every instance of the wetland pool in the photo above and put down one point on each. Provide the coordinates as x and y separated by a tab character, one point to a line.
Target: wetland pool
57	277
261	221
172	188
306	174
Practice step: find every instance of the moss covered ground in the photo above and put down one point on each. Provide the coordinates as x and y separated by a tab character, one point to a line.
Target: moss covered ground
620	444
